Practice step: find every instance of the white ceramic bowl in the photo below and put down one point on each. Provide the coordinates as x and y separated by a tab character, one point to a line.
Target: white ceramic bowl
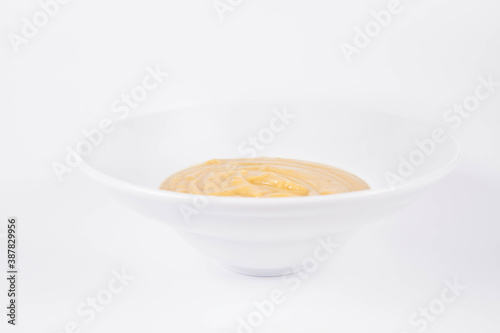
269	236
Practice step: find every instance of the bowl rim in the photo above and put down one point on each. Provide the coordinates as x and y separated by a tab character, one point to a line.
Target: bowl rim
159	194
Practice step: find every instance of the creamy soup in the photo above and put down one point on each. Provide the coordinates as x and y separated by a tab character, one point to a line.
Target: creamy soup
263	177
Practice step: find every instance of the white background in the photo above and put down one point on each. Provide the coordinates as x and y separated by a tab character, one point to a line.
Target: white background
73	236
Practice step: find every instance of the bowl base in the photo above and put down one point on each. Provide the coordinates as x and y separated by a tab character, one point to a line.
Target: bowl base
263	272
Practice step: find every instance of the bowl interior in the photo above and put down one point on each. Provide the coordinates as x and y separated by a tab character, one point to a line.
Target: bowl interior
146	149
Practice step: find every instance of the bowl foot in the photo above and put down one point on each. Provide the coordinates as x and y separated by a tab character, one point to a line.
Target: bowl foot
271	258
263	272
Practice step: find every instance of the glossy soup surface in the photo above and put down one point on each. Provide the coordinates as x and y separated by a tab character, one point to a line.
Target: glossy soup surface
263	177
